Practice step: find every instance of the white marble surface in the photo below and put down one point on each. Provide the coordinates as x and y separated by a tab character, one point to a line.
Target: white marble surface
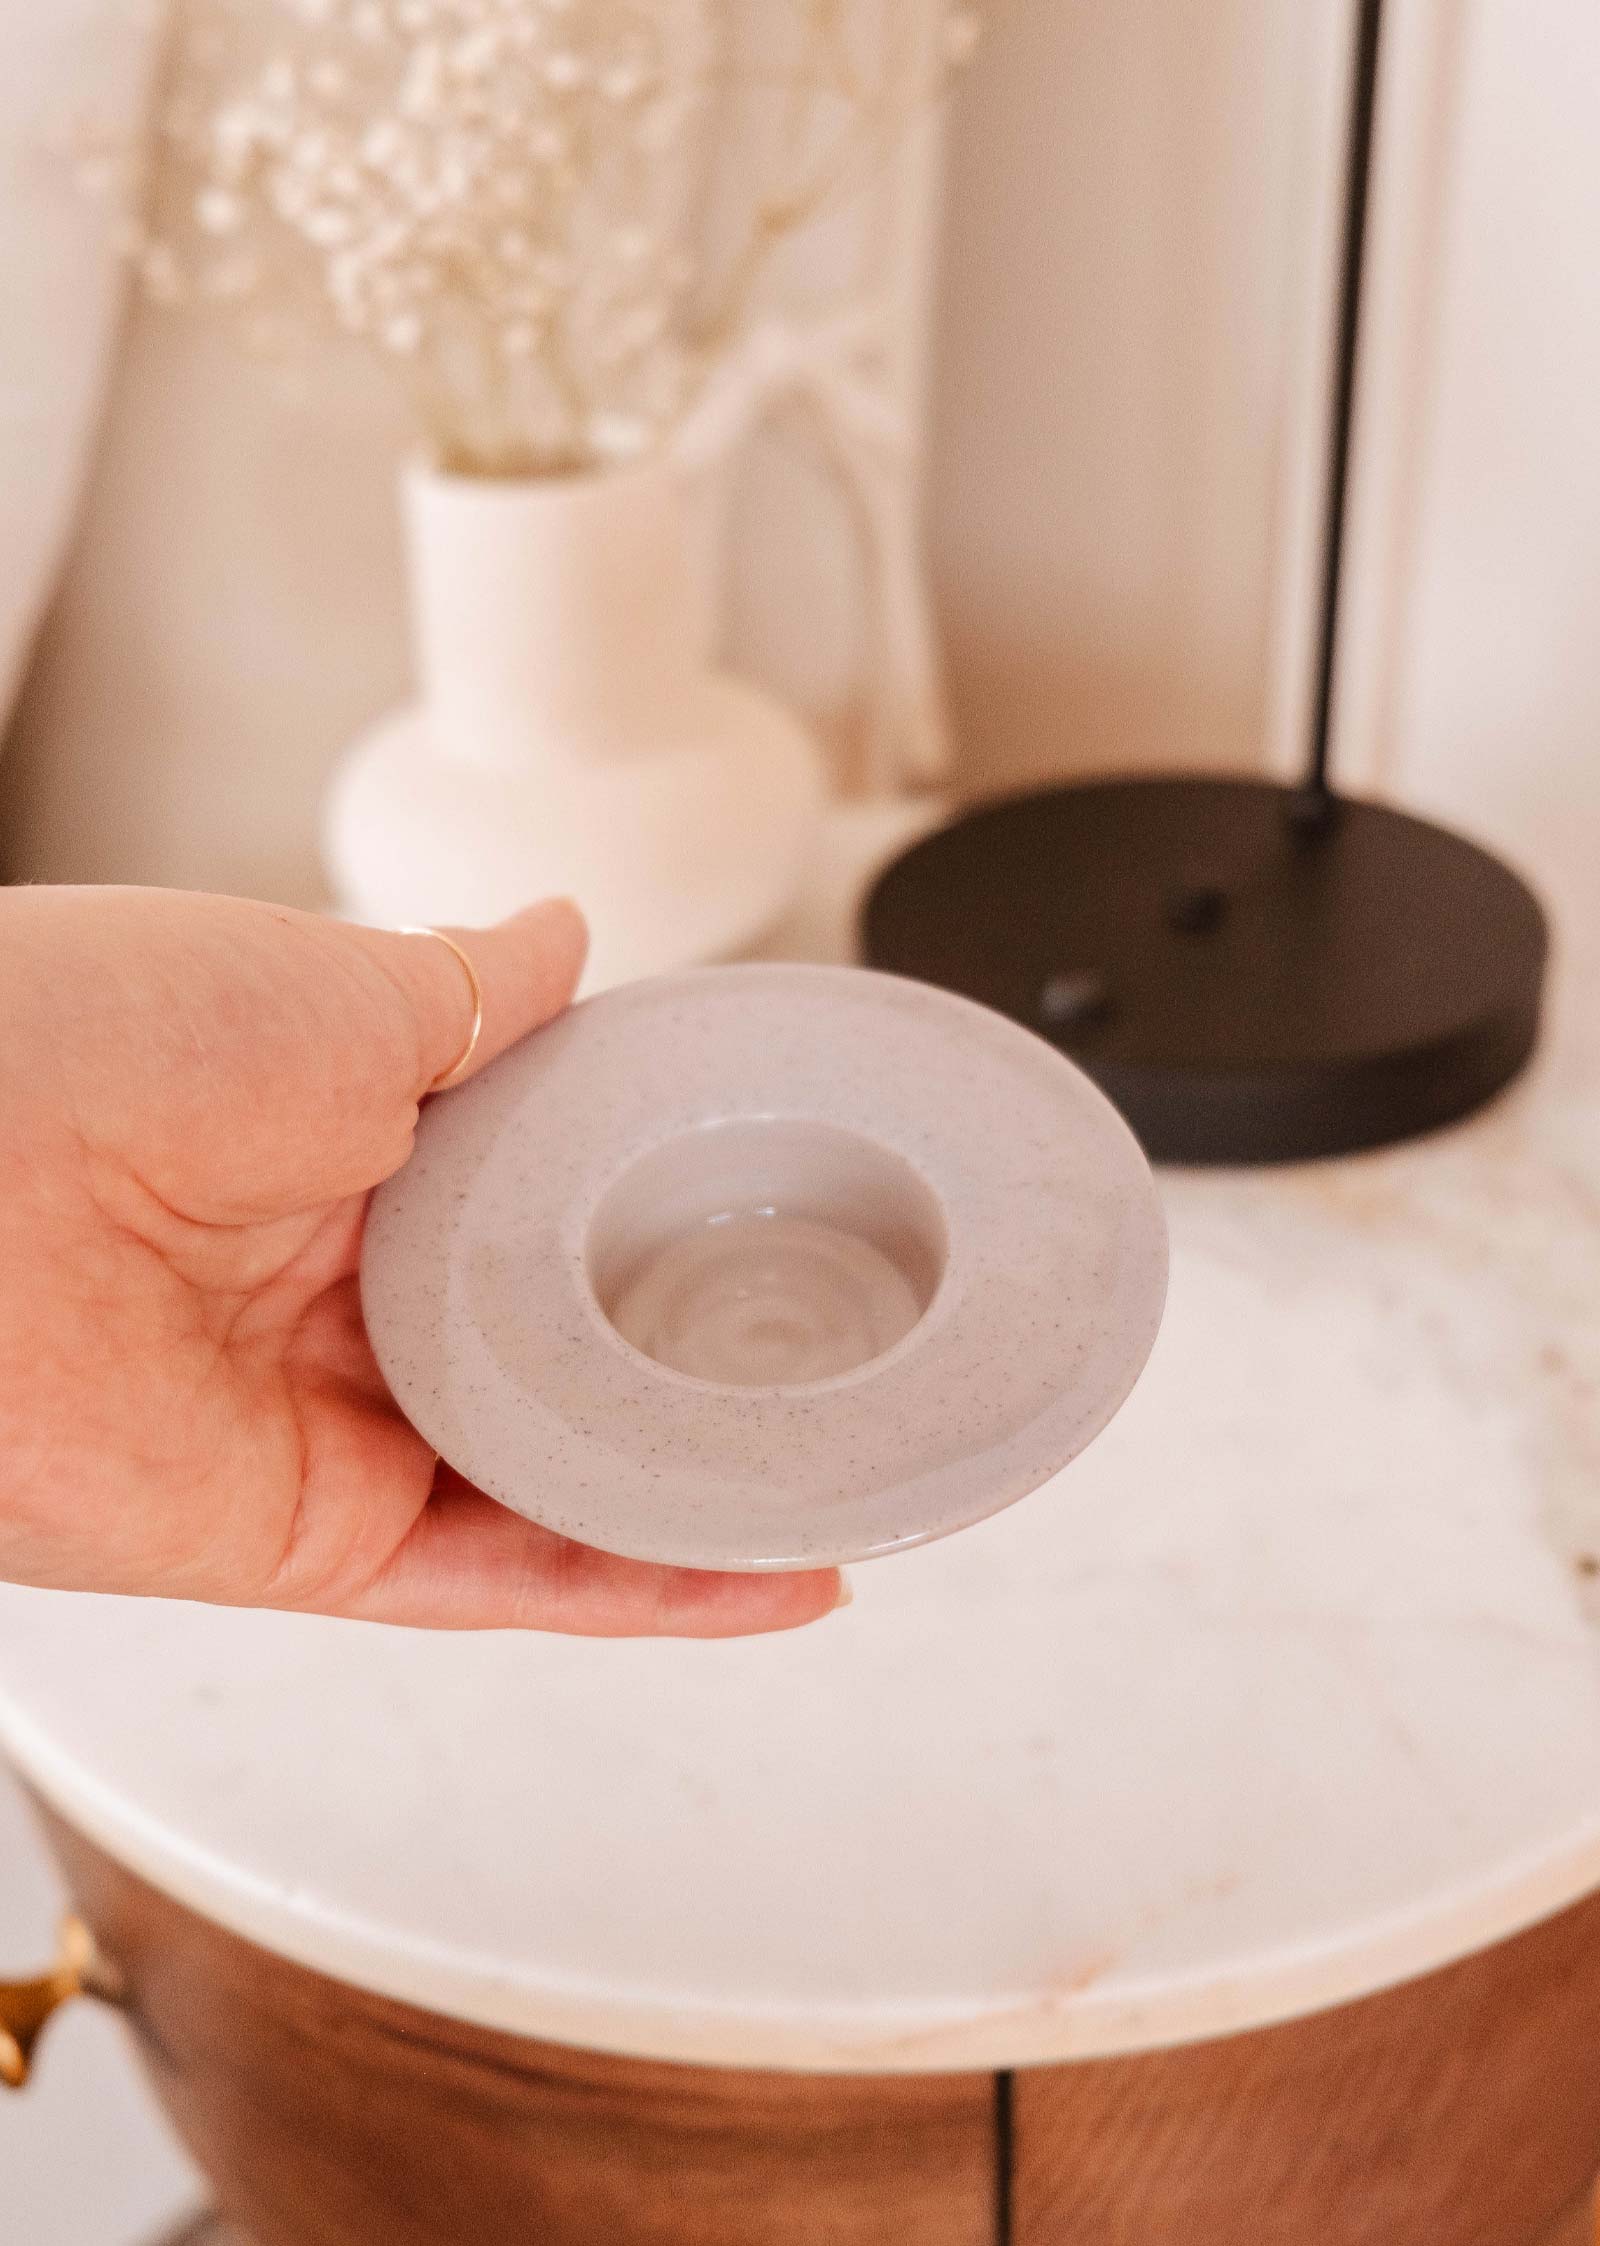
1289	1687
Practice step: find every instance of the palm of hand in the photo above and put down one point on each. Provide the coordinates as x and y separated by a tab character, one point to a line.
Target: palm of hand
201	1414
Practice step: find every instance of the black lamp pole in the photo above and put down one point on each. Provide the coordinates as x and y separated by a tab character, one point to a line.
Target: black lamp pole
1358	176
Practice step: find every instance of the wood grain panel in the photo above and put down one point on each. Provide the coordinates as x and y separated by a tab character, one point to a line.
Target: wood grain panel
1462	2109
1576	2228
325	2116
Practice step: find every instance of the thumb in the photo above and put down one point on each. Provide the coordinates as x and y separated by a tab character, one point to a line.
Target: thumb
527	969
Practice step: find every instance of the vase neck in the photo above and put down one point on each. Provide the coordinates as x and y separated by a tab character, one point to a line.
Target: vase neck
551	616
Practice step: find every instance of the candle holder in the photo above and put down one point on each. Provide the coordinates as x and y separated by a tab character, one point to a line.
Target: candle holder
1254	972
766	1267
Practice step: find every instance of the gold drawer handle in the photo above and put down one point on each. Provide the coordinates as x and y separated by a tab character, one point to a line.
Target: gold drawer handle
25	2006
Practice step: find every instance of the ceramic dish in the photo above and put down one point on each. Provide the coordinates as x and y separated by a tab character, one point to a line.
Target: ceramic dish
766	1267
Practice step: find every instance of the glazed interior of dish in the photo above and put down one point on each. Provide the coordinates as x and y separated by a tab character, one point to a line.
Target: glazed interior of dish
767	1252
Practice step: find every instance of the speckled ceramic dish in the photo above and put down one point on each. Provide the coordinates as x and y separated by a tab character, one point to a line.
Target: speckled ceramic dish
766	1267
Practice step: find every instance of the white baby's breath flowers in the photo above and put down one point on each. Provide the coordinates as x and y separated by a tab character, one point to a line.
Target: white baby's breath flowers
508	198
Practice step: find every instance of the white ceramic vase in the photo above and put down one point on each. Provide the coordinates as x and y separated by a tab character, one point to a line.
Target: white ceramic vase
572	734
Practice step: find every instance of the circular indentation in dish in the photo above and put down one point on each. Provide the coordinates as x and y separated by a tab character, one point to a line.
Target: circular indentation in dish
766	1252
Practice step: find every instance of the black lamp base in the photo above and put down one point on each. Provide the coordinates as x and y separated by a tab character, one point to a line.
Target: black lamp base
1251	973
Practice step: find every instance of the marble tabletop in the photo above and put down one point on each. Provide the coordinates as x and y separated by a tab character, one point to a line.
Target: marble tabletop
1288	1688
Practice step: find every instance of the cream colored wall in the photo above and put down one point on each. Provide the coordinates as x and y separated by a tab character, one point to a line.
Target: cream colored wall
231	614
1472	677
1129	377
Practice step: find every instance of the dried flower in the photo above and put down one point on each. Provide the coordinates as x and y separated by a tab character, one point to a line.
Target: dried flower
507	198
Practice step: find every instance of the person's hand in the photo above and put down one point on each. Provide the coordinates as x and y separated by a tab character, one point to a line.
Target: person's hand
197	1095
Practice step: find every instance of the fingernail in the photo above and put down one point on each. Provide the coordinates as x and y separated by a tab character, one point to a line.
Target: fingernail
846	1594
575	911
546	918
544	907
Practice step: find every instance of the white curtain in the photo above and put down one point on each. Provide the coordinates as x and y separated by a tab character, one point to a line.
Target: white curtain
73	74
